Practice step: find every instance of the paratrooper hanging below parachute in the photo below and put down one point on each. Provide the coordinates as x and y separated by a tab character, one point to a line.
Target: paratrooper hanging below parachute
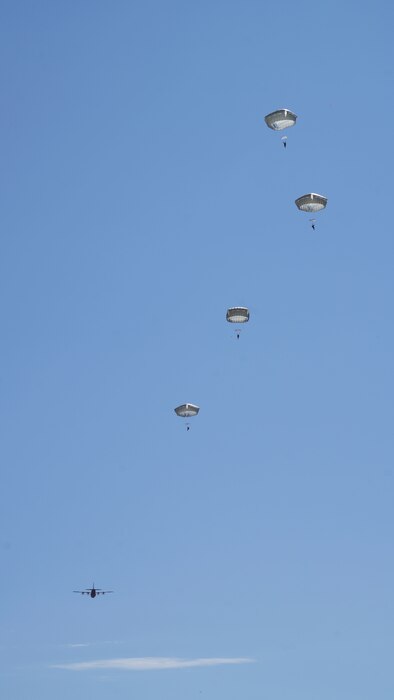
281	119
237	314
311	203
187	410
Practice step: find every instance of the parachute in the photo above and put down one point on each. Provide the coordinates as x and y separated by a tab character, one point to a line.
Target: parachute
311	202
187	410
237	314
280	119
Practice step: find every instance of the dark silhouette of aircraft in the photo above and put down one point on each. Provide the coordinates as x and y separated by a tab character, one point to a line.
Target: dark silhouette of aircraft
93	592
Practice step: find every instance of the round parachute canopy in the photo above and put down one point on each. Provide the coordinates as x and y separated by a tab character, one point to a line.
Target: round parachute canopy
280	119
187	410
311	202
237	314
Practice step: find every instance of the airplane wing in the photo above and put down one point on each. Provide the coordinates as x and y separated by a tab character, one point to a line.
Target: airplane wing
100	592
82	592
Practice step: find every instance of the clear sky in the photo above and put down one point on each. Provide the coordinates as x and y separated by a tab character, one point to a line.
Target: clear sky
141	195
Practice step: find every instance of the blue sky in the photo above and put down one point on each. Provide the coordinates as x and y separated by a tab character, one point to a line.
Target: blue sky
141	195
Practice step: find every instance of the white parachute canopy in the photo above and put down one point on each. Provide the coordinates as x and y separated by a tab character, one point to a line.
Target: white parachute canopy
187	410
237	314
280	119
311	202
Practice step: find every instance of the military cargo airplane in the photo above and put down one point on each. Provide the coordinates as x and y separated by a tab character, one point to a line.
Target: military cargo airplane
93	592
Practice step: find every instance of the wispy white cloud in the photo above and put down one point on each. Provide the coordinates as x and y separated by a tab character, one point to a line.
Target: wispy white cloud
151	663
